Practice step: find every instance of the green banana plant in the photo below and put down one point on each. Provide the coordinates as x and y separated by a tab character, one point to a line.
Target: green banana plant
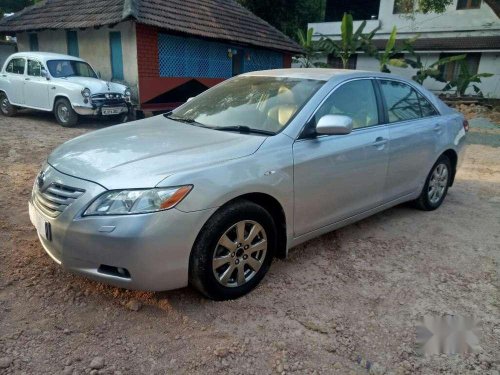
310	48
351	41
464	79
387	58
425	71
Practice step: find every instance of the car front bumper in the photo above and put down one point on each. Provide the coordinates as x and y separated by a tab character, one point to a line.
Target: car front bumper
153	248
97	110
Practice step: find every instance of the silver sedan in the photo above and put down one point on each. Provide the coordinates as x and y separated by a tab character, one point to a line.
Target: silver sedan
211	192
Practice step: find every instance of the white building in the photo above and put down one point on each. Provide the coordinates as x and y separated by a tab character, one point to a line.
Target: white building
469	27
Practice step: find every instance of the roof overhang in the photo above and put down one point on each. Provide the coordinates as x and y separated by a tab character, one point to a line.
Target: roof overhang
449	44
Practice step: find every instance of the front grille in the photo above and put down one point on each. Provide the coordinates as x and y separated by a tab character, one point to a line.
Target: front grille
55	198
111	98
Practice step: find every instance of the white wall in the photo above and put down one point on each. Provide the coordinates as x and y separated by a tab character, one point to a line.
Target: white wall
482	21
490	63
453	22
94	47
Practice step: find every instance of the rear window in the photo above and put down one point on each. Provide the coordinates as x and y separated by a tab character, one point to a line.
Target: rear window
404	103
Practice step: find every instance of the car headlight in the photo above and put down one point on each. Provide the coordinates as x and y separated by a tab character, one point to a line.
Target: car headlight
127	93
86	92
137	201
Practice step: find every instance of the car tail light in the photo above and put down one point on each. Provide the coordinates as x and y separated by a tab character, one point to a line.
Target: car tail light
466	125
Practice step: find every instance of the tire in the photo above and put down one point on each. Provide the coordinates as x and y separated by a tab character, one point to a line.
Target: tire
221	281
437	182
6	108
65	115
123	118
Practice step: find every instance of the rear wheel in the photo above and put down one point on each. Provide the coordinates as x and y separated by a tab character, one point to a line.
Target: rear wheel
436	185
233	251
65	114
6	108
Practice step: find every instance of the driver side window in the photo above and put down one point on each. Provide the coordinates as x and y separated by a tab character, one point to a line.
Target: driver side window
355	99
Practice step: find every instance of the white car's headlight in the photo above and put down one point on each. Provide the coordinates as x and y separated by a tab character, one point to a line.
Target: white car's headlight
86	92
137	201
127	92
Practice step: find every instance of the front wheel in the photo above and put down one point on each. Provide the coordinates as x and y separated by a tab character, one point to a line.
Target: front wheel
6	107
436	185
65	114
233	251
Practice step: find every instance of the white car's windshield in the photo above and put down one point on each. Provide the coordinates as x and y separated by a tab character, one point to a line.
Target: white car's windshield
249	104
70	68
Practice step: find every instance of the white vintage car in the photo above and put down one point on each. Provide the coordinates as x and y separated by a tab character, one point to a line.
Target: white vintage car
65	85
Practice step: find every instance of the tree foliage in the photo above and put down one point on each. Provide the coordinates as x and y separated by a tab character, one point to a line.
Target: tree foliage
411	7
424	71
288	16
10	6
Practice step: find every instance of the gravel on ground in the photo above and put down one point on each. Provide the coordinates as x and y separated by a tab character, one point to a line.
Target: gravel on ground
347	302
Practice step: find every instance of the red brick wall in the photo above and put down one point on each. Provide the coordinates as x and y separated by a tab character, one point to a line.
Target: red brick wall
147	51
150	83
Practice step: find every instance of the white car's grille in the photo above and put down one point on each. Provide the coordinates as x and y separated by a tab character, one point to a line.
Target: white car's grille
55	198
108	98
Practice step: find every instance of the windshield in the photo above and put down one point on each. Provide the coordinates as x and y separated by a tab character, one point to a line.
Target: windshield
265	104
70	68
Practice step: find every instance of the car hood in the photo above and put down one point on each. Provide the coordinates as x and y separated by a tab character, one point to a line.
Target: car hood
141	154
96	85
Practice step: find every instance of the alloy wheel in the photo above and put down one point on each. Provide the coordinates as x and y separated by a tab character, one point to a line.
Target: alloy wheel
240	253
438	183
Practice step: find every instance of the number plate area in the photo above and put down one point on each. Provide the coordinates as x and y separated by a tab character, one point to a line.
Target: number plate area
111	111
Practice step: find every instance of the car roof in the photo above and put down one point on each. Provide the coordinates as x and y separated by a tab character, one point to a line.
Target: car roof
321	74
44	56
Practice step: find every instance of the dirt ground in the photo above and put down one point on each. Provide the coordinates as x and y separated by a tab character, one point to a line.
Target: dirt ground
347	302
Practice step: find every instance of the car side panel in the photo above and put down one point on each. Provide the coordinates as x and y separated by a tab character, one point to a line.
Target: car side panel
414	144
36	93
338	176
268	171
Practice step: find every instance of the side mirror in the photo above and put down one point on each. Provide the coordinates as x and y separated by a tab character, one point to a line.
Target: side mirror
44	74
334	125
99	75
189	99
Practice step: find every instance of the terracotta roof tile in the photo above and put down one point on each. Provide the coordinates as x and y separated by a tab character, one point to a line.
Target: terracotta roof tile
216	19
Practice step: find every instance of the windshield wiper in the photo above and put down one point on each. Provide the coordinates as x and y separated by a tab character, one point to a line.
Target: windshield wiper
244	129
186	120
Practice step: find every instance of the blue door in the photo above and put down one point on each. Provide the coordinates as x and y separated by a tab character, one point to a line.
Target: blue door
33	42
72	42
115	43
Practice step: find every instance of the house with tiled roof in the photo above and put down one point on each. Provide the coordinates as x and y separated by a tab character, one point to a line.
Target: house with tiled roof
165	50
470	27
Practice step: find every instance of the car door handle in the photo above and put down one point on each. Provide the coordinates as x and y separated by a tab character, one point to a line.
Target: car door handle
26	79
4	75
380	142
